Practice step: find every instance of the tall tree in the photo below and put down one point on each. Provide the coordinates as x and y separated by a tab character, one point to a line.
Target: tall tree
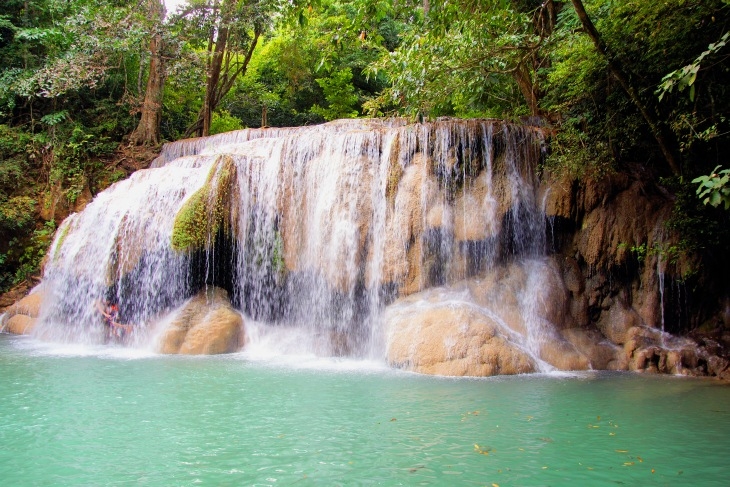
232	31
470	55
148	129
616	69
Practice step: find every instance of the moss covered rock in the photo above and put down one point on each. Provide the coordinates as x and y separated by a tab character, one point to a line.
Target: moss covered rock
207	210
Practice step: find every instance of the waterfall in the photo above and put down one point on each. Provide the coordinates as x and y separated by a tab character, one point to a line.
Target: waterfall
315	229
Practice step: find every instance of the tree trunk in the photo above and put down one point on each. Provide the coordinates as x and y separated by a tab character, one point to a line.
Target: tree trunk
148	129
522	76
220	79
617	71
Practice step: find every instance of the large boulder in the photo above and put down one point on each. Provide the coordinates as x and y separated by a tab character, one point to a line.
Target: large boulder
600	352
19	325
428	335
505	322
205	325
21	317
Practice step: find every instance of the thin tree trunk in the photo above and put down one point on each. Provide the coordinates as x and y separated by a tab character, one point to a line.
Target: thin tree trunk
617	71
217	86
210	102
528	89
148	129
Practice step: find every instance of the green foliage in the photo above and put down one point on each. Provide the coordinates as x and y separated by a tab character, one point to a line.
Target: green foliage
576	153
340	96
224	122
312	52
643	38
702	229
685	76
15	149
34	253
715	188
17	212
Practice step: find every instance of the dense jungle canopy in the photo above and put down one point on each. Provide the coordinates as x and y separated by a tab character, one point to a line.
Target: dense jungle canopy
89	89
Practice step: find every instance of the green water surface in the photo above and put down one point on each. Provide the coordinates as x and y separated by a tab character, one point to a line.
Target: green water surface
95	418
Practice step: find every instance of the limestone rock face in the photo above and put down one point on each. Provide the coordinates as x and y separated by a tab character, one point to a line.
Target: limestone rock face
601	353
20	325
505	322
21	317
451	339
205	325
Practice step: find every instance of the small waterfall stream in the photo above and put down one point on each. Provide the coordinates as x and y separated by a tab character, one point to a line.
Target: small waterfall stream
315	230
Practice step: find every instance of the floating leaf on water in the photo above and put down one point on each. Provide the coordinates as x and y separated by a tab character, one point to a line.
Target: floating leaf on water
612	434
481	451
652	470
393	419
598	418
628	464
622	451
495	485
641	460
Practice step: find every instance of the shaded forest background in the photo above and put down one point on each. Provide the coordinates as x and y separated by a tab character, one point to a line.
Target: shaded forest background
90	89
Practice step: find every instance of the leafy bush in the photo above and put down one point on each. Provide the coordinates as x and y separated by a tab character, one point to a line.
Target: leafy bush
715	188
340	95
224	122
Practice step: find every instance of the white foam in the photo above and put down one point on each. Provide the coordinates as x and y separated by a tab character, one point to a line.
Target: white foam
36	347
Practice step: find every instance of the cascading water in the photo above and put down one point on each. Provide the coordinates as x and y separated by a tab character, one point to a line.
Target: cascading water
313	229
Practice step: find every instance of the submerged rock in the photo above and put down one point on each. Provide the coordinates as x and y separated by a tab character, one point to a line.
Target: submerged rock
205	325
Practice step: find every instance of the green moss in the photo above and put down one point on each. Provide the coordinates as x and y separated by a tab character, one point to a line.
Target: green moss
277	255
206	211
61	238
395	173
188	233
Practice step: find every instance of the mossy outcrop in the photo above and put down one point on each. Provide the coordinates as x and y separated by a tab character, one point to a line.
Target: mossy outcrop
207	210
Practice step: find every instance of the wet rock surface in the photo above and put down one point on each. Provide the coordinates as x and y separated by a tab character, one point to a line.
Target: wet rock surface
21	317
206	324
